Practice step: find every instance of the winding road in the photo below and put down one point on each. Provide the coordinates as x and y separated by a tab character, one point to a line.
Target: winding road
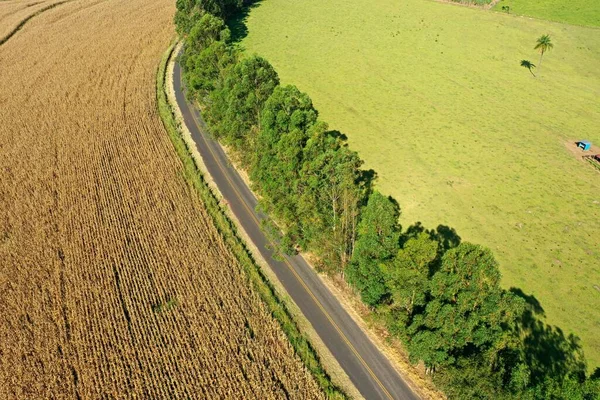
369	370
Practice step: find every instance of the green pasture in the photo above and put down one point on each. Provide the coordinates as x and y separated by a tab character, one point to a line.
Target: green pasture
577	12
433	98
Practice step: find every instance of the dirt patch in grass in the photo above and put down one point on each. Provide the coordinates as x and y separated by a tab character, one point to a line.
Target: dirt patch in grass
572	146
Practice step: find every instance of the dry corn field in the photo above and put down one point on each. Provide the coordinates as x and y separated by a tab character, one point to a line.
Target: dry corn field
15	13
114	283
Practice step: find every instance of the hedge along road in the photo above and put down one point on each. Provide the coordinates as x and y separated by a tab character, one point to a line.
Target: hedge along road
369	370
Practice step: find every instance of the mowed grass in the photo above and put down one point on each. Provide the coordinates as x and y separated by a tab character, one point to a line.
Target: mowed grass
577	12
434	99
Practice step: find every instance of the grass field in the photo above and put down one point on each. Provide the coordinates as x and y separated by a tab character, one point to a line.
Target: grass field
577	12
434	99
114	280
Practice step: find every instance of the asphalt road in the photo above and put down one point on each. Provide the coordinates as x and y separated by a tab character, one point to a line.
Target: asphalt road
367	367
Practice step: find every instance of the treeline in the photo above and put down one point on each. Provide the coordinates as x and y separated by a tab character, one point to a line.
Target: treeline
441	297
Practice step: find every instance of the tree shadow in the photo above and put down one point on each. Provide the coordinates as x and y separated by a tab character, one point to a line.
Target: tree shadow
337	135
549	353
367	178
446	236
397	210
533	303
413	231
237	21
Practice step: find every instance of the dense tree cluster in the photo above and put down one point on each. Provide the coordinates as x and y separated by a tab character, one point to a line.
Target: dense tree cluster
441	297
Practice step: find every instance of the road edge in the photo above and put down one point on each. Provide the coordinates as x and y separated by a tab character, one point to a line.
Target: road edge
327	372
348	299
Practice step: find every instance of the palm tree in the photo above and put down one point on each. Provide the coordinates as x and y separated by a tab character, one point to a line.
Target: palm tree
543	45
527	64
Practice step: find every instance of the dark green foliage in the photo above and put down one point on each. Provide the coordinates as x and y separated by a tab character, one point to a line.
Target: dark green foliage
287	116
188	11
205	69
471	378
186	16
568	388
214	7
407	278
367	277
377	243
378	229
331	191
468	311
236	107
207	30
207	56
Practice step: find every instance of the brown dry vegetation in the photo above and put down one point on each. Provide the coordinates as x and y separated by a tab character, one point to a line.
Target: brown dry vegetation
113	280
13	14
10	7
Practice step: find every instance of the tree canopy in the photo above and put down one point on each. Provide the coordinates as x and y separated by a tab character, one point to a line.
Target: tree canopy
377	243
236	107
467	310
332	190
287	116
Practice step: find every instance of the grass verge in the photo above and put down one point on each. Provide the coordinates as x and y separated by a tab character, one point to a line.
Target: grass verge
228	231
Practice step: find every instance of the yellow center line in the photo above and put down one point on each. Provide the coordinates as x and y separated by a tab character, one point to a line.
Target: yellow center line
298	277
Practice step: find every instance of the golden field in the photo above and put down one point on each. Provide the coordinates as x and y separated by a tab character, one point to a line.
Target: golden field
114	282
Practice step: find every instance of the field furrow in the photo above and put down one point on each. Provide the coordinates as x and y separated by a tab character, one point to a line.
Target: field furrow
13	20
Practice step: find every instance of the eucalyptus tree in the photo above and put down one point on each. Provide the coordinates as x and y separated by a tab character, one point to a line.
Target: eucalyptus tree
286	119
377	243
468	311
331	194
236	106
408	279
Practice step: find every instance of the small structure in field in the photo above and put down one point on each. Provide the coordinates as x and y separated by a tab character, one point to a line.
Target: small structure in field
585	145
597	157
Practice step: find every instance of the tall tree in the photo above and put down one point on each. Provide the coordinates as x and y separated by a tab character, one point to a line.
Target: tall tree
190	11
287	116
544	43
408	279
207	30
331	193
186	16
205	70
377	243
468	312
206	54
236	106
